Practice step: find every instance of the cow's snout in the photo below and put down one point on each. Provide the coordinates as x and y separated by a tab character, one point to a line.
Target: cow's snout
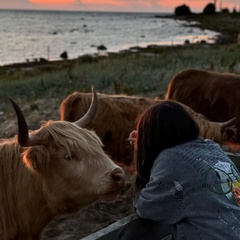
118	176
115	183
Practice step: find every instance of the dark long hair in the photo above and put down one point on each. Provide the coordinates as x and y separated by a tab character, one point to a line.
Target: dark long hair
163	125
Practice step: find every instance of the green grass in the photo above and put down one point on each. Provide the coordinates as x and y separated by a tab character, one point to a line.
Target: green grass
129	73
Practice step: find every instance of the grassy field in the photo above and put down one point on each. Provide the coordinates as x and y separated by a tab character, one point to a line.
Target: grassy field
146	72
142	72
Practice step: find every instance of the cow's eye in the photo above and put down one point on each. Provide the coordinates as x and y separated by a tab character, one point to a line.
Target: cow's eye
67	157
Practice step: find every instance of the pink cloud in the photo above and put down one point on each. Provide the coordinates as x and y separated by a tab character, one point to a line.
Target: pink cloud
46	2
104	2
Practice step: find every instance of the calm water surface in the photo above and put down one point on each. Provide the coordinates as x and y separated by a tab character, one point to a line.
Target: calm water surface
29	35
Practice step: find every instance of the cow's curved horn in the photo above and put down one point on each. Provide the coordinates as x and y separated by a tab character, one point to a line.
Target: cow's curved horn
227	123
85	120
23	136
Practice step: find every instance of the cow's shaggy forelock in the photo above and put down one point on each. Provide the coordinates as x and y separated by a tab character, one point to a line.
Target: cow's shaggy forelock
79	138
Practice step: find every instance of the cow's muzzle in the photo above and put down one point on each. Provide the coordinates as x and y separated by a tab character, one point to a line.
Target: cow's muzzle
118	176
117	183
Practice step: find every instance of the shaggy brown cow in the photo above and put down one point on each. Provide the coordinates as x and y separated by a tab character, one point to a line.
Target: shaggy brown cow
116	116
57	169
215	95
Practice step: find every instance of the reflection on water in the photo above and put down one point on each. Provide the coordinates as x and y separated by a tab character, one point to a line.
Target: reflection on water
46	34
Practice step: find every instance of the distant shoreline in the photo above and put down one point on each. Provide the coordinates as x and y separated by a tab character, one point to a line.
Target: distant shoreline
227	24
148	49
195	21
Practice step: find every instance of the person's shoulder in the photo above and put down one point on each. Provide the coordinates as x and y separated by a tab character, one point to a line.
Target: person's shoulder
168	154
191	147
205	141
199	143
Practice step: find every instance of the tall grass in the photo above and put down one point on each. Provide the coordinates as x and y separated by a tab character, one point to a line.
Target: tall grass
140	73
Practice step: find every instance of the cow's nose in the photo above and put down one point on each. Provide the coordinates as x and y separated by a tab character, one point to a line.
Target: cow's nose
118	176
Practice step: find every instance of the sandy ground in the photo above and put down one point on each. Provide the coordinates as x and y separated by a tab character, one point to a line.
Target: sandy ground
91	219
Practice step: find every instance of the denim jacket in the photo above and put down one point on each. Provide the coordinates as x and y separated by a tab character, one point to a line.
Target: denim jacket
195	188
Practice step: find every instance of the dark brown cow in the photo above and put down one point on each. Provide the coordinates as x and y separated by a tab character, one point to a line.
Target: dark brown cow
215	95
57	169
116	116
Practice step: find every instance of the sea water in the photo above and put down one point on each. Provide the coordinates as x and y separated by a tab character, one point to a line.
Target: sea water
31	35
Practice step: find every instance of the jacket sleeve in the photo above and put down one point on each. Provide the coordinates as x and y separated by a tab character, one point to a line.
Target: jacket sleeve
161	198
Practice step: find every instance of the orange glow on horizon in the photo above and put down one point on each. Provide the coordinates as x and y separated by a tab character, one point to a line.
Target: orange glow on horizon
191	4
104	2
52	1
135	5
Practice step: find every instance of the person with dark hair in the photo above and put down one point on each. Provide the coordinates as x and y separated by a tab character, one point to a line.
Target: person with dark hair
182	179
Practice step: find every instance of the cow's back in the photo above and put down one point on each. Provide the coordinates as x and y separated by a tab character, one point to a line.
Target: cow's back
215	95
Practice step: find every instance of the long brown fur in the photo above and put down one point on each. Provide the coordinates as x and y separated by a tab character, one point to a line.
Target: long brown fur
37	183
215	95
116	117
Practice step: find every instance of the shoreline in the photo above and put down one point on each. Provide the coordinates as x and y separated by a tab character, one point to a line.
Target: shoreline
227	24
194	20
150	49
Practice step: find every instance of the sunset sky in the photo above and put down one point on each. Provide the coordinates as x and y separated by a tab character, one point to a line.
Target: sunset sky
116	5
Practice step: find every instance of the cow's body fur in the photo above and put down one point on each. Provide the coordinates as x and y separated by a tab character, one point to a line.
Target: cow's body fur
117	117
68	172
215	95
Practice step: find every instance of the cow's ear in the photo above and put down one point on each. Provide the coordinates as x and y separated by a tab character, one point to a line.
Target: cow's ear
229	132
36	158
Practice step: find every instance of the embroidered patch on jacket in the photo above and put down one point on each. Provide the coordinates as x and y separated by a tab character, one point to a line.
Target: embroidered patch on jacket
224	179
